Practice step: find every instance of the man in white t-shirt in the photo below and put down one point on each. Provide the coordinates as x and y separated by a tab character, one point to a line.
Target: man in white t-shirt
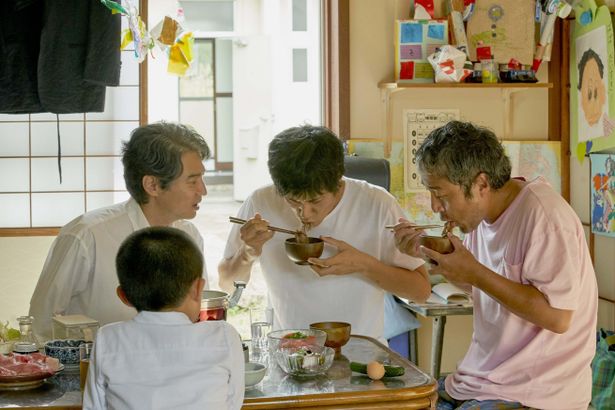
359	261
163	171
526	261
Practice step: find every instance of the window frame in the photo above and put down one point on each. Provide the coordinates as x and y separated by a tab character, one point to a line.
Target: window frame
336	68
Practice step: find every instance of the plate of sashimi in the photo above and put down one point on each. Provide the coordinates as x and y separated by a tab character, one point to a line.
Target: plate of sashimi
26	371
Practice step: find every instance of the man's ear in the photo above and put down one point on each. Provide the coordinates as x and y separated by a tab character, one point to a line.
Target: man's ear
150	185
122	296
482	182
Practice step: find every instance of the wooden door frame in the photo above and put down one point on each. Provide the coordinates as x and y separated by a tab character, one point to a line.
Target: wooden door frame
336	53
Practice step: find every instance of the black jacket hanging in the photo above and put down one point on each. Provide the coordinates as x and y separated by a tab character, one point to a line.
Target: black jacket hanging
66	71
20	35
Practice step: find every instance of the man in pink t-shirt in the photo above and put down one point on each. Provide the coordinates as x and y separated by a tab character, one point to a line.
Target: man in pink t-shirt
525	259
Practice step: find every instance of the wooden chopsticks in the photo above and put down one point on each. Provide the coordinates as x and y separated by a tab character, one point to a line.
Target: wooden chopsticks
432	226
271	228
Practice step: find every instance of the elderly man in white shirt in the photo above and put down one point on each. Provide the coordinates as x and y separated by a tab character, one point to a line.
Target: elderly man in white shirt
163	171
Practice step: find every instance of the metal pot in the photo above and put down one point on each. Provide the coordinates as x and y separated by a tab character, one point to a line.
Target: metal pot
214	303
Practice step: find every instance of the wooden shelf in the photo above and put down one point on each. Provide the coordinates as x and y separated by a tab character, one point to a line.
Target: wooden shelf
507	90
393	85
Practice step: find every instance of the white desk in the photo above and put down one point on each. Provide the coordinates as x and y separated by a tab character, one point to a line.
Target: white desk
439	314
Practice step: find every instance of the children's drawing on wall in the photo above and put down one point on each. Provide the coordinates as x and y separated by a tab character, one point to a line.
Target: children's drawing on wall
533	159
592	80
603	194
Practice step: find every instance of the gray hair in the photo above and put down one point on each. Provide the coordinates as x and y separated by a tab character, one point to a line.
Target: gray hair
156	150
460	151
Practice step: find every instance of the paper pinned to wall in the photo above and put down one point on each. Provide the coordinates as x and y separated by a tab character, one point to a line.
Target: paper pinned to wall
532	159
603	194
506	26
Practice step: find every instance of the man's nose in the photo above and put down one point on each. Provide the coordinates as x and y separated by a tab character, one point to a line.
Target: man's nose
203	187
305	210
436	204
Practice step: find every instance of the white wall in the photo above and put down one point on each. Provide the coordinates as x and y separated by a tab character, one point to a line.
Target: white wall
21	260
266	99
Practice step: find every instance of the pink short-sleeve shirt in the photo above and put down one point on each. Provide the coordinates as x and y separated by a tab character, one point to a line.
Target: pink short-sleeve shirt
538	240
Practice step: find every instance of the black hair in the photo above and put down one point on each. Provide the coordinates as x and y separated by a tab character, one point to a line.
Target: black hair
157	149
306	161
588	55
156	267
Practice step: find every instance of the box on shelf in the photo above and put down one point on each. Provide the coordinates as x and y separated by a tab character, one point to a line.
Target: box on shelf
74	327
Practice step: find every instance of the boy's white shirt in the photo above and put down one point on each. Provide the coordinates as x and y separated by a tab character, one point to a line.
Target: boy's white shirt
161	360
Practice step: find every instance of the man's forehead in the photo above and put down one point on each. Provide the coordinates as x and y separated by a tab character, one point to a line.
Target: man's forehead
433	181
303	197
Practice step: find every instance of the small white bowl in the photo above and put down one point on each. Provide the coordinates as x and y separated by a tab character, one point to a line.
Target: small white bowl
254	373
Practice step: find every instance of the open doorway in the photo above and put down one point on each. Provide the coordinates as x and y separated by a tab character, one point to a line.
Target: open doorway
206	98
257	71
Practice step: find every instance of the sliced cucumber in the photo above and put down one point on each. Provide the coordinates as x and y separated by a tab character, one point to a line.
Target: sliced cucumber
389	371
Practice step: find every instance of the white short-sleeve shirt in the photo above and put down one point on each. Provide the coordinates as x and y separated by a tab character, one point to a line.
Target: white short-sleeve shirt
297	294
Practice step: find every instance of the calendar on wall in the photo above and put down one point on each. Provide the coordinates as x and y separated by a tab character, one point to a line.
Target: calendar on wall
417	125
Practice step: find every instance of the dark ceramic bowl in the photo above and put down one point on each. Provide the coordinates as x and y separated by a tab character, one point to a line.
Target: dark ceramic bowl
65	350
301	252
440	244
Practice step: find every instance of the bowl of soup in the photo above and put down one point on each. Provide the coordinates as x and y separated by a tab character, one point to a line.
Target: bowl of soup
300	251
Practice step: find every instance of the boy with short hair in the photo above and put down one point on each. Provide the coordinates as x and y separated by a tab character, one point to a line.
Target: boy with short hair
161	358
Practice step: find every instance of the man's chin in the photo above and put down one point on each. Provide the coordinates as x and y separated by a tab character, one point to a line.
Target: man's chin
190	215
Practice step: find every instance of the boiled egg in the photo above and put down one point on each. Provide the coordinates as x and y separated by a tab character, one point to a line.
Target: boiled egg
375	370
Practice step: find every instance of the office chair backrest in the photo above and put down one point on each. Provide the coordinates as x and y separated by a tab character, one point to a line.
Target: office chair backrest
376	171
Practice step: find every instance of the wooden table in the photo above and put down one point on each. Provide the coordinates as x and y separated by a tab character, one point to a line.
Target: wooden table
340	388
439	314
